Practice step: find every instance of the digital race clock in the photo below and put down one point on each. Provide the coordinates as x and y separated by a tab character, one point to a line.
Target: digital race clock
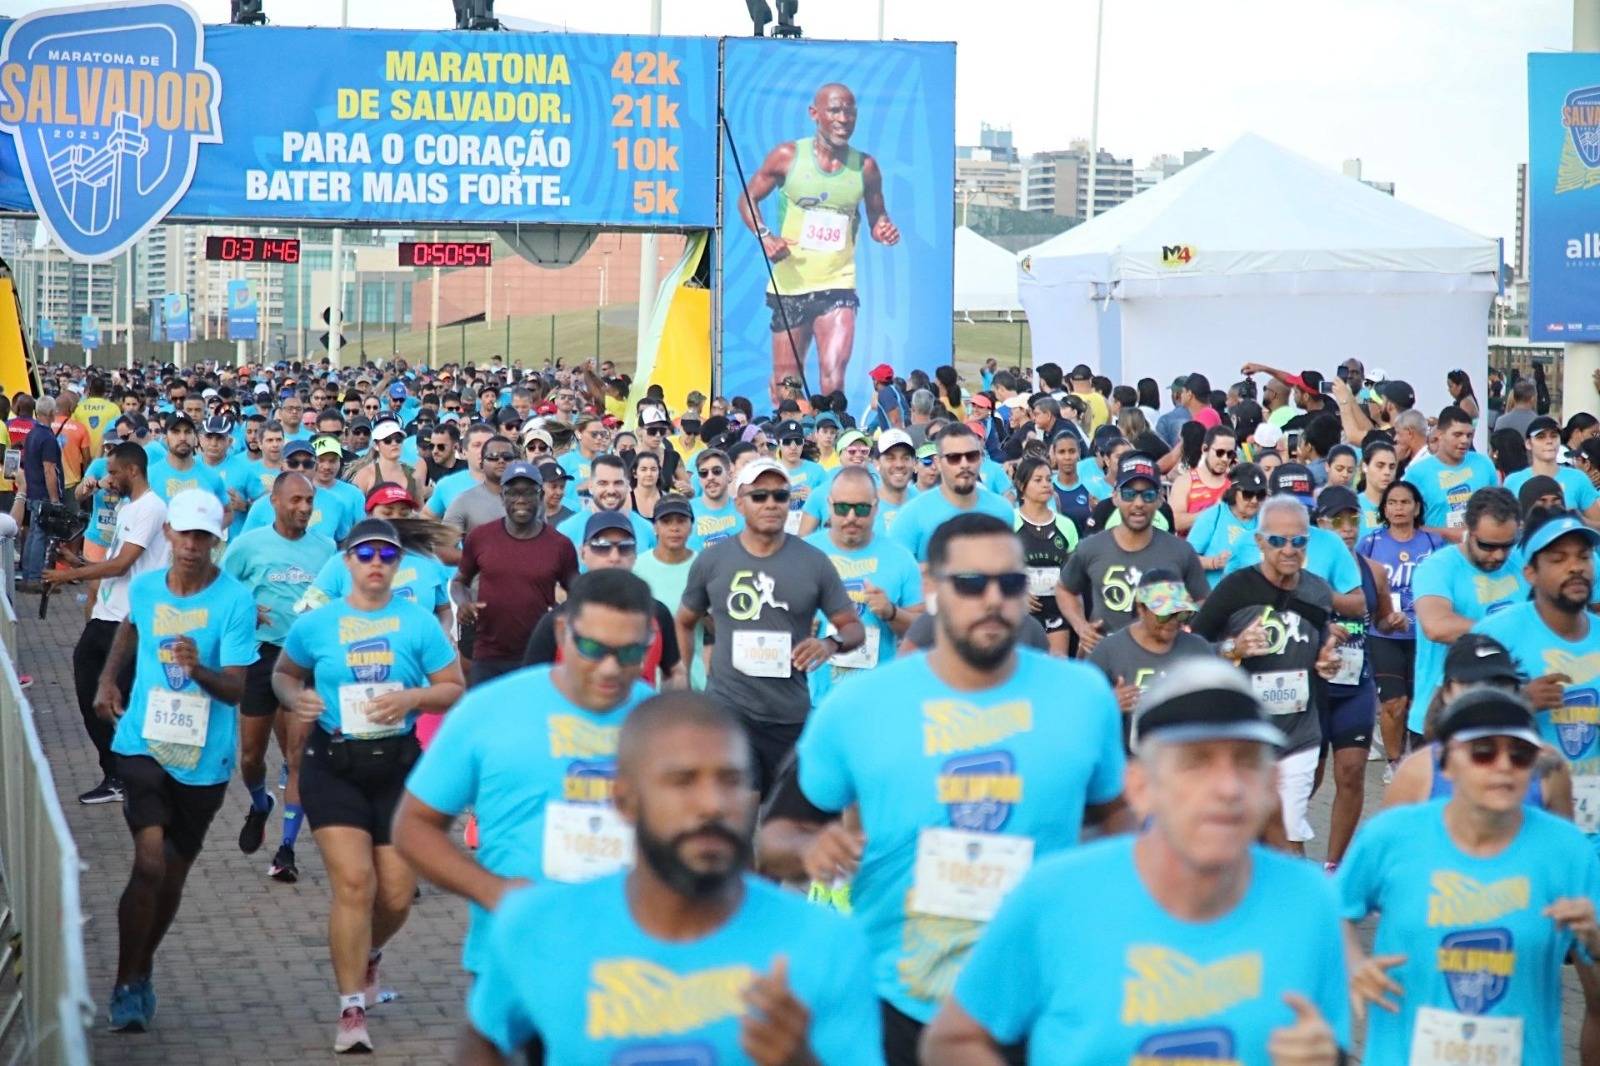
445	253
253	249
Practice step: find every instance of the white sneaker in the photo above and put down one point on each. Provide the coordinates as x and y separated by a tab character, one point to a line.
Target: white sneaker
1388	773
352	1036
1375	750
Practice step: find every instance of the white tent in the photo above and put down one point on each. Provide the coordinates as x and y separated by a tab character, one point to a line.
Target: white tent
1257	254
986	275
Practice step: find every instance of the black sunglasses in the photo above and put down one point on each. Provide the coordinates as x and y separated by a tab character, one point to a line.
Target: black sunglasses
975	456
1485	751
861	510
300	464
499	457
711	471
613	547
763	495
1012	584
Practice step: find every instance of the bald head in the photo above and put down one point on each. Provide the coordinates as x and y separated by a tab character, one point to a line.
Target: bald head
833	109
292	481
662	712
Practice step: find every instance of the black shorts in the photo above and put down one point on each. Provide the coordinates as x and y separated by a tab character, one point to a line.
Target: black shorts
1348	719
804	308
259	699
901	1033
1394	663
154	797
770	745
362	799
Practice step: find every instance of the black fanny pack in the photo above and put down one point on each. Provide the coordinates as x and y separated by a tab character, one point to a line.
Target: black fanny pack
378	759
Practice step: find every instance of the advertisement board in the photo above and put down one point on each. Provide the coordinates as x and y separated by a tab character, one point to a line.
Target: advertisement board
242	325
1564	196
89	332
175	317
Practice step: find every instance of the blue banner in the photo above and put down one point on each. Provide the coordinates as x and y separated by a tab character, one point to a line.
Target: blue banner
848	159
175	317
47	334
89	332
122	114
1564	196
241	310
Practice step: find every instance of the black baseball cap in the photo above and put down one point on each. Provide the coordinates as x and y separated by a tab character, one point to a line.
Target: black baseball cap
1475	657
1203	699
672	504
554	472
1487	712
789	429
1540	424
371	529
1248	477
1336	499
601	521
217	426
1081	372
1137	466
1292	479
1400	393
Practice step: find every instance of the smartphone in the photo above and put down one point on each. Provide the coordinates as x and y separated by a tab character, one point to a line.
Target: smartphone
1292	439
1326	387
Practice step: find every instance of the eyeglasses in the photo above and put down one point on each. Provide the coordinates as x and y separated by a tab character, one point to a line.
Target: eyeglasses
763	495
1225	453
499	457
1494	545
1485	751
1258	496
957	458
1278	540
596	651
1147	495
711	471
384	553
971	585
299	464
793	442
613	547
860	510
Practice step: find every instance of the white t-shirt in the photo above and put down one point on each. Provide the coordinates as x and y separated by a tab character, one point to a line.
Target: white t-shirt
139	522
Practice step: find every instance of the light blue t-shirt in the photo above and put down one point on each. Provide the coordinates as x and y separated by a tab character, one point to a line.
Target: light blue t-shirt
167	481
1472	594
1091	477
993	476
449	487
882	563
422	579
999	761
1470	927
221	620
330	514
1577	490
570	965
808	475
1217	530
237	474
712	524
577	468
1573	727
1161	988
277	571
508	750
354	501
817	505
103	505
1326	556
257	478
917	520
1446	489
341	645
883	521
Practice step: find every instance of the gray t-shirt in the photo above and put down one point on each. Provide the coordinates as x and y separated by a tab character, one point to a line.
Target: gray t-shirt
1517	419
756	604
1120	656
475	507
1108	575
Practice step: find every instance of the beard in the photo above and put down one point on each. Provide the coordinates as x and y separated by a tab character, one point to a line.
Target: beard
976	655
663	856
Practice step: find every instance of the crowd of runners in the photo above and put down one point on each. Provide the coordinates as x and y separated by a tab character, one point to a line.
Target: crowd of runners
978	726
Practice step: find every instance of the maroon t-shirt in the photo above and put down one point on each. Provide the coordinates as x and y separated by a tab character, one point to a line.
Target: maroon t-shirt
517	582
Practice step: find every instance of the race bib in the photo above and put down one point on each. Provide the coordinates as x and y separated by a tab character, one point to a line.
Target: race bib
1286	692
355	701
105	521
1351	660
761	653
824	231
584	841
960	874
1042	580
1445	1038
1586	802
1456	519
863	657
791	522
177	717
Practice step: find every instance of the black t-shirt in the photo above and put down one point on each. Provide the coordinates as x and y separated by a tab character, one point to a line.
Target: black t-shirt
664	640
436	471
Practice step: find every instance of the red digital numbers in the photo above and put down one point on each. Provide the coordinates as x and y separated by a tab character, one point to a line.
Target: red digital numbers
445	253
253	249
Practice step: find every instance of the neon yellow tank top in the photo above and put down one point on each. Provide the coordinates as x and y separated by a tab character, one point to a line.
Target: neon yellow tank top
818	214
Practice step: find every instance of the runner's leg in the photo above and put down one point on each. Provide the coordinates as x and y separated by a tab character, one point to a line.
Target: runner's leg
397	884
137	909
347	853
836	337
1349	782
168	898
788	356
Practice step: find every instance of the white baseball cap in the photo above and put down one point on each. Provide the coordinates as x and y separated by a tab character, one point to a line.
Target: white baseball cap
751	471
891	438
195	509
386	428
1268	435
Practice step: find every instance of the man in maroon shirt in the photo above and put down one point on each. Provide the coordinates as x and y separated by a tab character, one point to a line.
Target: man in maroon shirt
517	563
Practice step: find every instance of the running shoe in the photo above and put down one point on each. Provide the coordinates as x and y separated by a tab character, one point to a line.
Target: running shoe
255	827
1388	773
24	681
109	790
283	777
374	996
127	1010
146	987
469	832
283	867
352	1038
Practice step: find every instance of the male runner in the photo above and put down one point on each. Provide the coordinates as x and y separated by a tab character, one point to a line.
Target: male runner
1544	447
824	184
716	515
960	455
1195	490
897	464
179	469
1449	477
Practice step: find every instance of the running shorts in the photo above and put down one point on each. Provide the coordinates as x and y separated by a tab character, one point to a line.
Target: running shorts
1393	664
804	308
259	699
359	796
154	797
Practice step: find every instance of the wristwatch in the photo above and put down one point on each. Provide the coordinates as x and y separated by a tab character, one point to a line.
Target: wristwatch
1227	648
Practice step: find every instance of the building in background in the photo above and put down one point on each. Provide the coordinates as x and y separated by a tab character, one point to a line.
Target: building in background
1519	261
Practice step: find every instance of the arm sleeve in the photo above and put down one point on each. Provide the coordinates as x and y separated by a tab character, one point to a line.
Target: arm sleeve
467	568
1075	574
1212	618
148	530
1431	578
436	650
904	531
1000	984
1357	880
1332	993
295	642
455	515
233	561
1344	577
494	1008
823	761
541	647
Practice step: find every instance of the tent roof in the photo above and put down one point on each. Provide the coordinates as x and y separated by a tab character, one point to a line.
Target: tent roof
986	275
1257	208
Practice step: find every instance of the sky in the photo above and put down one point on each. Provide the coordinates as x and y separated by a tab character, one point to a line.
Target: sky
1429	94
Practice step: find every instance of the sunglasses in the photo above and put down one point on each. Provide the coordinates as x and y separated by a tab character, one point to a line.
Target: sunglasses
860	510
1278	540
1345	521
453	408
613	547
351	412
971	585
711	471
1494	545
596	651
499	457
1485	751
1225	453
1147	495
763	495
654	431
957	458
792	442
537	446
446	446
384	553
1252	495
393	438
300	464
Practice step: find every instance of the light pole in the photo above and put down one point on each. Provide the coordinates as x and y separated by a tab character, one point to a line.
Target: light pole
1094	118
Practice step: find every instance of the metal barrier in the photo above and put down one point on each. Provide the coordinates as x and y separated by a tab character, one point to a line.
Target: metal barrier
45	1009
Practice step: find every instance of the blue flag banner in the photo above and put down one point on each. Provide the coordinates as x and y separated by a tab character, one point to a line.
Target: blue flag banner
1564	196
241	310
47	334
89	332
175	316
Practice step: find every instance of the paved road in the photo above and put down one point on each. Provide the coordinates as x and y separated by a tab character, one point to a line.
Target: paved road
244	975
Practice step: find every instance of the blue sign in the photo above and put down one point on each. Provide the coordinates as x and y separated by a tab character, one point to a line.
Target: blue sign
241	310
175	316
1564	196
107	107
89	332
47	334
847	152
375	126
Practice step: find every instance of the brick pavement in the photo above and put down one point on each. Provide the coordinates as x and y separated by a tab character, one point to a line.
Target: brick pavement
244	976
